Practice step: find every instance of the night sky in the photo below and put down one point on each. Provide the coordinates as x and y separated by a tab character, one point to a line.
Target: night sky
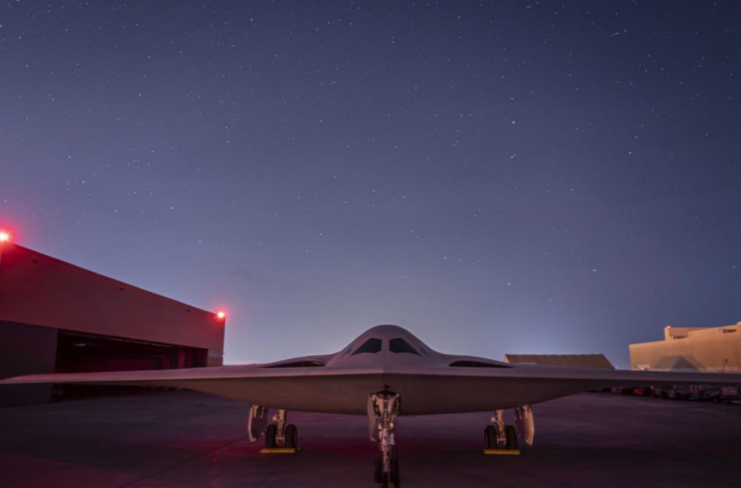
545	177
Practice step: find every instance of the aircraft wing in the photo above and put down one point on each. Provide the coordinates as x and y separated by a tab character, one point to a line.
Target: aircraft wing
485	389
311	389
424	390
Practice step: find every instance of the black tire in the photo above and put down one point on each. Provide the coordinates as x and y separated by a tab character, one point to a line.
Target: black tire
511	437
270	436
291	437
490	437
378	470
395	472
385	480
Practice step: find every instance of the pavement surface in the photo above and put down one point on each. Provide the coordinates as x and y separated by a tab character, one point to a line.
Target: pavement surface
181	439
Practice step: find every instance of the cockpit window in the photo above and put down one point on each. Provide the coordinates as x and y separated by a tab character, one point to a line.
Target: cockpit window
371	346
399	345
347	350
425	350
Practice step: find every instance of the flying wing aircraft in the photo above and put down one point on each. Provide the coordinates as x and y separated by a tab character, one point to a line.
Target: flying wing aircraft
387	372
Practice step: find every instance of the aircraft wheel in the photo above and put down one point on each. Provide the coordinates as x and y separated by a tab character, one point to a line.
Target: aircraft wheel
292	436
270	436
511	437
395	471
490	437
378	470
386	481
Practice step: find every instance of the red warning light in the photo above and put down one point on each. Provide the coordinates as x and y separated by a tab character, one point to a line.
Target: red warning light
221	314
4	236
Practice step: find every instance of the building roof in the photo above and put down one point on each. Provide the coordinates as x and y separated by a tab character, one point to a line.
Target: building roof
568	360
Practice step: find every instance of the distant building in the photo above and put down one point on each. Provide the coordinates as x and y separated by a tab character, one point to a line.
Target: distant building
716	349
57	317
568	360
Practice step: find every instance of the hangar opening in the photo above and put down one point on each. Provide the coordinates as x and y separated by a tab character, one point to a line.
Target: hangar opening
79	352
56	317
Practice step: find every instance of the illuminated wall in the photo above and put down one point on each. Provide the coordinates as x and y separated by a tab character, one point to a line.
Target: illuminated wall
716	349
43	291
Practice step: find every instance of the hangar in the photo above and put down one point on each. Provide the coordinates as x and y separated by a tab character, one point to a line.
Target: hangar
712	349
56	317
598	361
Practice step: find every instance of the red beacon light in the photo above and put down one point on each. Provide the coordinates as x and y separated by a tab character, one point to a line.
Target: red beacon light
221	315
4	236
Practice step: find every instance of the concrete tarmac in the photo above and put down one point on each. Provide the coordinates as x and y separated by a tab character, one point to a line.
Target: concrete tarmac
185	440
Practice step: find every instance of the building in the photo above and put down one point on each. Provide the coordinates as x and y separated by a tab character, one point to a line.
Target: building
716	349
567	360
57	317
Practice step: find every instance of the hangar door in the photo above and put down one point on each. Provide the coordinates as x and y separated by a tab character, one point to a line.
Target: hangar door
82	352
32	349
26	349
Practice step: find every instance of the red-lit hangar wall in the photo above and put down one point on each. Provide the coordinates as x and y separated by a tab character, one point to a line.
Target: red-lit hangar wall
57	317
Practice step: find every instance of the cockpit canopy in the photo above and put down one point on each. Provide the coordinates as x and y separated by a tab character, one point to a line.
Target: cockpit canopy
399	346
374	345
371	346
393	345
392	341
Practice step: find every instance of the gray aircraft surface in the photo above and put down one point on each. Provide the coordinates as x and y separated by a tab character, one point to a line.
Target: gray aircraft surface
387	372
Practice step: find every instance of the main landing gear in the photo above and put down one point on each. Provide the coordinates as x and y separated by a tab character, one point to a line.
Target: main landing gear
279	436
502	439
383	407
499	436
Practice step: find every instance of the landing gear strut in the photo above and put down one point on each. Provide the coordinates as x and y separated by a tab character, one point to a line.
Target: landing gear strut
383	407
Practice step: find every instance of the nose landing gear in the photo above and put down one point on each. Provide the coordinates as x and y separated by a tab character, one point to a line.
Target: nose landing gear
383	407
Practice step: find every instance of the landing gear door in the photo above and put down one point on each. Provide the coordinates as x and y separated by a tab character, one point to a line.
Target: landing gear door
525	423
258	422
